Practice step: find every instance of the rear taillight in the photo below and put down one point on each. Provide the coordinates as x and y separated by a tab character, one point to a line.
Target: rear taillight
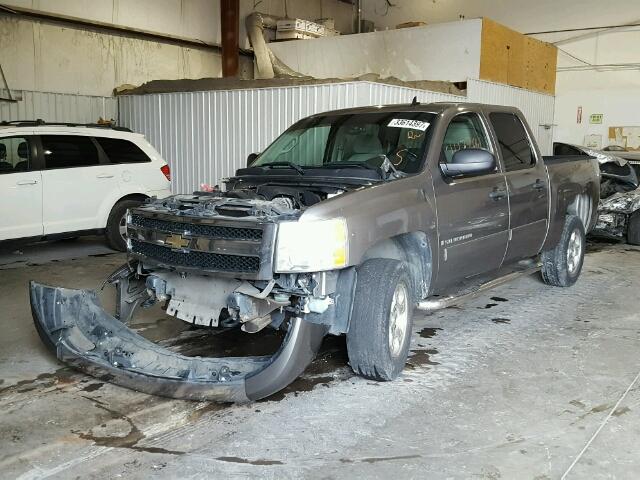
167	171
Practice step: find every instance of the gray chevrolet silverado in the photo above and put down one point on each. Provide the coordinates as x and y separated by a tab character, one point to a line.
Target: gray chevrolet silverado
344	225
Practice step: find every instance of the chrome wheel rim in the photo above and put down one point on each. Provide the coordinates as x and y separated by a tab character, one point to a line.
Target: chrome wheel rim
574	252
122	227
398	319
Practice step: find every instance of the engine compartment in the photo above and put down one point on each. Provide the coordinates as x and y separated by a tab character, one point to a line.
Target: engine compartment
265	201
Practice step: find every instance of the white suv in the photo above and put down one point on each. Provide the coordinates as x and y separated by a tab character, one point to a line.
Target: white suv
63	180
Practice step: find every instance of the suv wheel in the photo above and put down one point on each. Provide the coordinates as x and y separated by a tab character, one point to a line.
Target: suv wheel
561	266
116	231
380	332
633	231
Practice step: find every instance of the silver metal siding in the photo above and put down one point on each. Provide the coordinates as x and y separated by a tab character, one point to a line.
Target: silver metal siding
538	108
58	107
206	136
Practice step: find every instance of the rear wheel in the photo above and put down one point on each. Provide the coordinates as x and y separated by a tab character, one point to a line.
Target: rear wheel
633	231
380	332
561	266
116	232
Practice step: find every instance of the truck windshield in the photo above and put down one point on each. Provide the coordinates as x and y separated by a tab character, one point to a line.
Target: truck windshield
353	140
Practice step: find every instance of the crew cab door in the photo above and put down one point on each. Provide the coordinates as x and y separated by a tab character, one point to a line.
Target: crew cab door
20	189
473	211
527	184
76	180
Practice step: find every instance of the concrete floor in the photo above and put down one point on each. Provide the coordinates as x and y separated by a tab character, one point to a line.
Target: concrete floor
527	382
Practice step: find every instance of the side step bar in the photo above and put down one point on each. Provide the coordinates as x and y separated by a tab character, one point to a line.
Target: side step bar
76	328
438	303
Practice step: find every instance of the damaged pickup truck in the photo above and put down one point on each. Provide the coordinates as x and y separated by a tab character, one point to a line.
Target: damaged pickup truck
343	225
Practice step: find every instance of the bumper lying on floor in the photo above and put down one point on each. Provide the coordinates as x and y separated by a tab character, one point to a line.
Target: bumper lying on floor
73	324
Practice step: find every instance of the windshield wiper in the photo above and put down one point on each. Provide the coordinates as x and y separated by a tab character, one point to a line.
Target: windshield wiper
366	166
292	165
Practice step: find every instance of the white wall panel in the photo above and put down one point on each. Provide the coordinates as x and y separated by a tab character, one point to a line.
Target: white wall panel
446	51
58	107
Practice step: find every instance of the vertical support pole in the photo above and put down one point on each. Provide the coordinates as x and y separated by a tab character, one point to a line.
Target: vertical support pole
230	23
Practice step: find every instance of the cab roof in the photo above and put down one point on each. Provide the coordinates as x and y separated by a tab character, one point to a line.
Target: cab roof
434	107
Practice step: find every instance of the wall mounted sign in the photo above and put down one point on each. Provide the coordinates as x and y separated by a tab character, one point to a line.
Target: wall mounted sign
596	118
579	115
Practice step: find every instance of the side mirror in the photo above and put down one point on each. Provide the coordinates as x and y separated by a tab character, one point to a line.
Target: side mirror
251	158
472	161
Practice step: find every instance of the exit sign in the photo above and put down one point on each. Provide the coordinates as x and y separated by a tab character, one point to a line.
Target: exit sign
596	118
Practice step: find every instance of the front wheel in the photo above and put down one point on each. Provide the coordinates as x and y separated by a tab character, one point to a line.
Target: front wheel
116	231
561	266
381	322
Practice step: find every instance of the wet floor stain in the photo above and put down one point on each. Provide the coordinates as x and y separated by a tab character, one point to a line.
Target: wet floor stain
92	387
489	305
500	320
250	462
330	364
597	409
429	332
595	246
420	358
209	407
129	440
499	299
378	459
195	340
620	411
62	376
600	408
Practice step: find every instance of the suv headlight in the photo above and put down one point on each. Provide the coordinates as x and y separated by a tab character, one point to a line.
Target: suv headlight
311	246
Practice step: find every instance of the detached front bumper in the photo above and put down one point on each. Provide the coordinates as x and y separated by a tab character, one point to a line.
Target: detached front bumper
73	324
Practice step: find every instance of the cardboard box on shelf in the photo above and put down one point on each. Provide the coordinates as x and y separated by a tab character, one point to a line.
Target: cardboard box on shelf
292	24
292	35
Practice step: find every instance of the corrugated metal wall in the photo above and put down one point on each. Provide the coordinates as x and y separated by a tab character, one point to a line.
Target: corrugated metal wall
206	136
538	108
58	107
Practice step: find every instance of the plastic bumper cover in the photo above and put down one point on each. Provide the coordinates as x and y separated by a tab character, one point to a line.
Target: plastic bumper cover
73	324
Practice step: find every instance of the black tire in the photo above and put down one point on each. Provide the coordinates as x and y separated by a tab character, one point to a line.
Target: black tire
112	232
368	339
633	230
561	266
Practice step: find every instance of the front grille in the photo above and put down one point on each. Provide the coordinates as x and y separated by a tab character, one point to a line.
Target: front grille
198	229
195	259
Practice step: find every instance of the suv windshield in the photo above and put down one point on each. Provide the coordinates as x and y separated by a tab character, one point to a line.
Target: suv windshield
353	140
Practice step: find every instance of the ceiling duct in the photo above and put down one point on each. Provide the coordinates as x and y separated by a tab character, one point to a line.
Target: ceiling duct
267	64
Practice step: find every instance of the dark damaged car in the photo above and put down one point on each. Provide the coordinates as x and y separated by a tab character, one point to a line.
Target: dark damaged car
619	208
342	226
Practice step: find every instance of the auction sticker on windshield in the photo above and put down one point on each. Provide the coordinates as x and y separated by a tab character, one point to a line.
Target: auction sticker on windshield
406	123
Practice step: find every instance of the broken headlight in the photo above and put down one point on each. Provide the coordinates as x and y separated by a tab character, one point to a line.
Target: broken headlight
312	246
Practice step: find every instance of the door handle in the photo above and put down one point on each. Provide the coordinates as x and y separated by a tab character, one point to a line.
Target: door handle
498	194
538	185
27	182
104	175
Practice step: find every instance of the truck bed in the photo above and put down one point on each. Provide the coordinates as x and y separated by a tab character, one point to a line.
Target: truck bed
556	159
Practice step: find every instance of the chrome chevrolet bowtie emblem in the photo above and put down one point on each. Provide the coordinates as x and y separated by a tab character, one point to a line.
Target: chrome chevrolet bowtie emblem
177	241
